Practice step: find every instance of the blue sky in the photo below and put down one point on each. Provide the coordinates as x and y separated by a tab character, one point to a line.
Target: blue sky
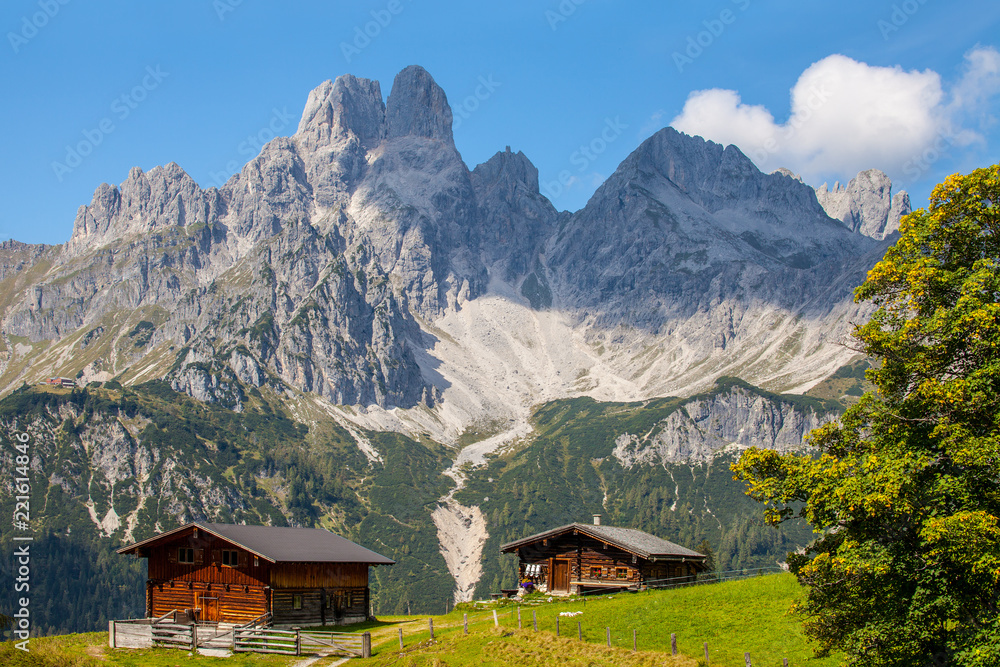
909	87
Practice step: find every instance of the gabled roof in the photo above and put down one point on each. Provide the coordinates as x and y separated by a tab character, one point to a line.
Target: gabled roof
279	544
634	541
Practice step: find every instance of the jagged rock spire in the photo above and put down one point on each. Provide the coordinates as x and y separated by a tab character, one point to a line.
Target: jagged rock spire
418	107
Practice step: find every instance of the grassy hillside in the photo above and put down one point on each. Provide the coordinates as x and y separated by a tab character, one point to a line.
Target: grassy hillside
749	616
846	385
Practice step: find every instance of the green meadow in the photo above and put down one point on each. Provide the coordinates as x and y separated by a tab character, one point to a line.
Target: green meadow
733	618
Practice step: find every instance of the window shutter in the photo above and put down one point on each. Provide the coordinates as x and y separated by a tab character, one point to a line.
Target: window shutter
172	555
199	556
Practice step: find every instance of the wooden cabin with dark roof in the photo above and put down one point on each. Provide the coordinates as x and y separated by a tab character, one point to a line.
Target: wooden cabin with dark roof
226	573
579	558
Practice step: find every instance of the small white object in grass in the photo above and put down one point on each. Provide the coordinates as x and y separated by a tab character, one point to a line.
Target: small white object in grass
570	613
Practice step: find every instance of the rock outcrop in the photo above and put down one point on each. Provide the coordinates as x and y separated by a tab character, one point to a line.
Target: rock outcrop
866	205
723	423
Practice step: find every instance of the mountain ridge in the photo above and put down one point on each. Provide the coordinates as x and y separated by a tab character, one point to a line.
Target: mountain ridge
369	212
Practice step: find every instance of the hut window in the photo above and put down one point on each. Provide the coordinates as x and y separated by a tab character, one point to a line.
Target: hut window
621	572
230	557
185	555
297	601
595	573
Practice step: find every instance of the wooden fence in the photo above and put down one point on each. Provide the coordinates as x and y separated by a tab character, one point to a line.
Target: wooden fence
266	640
134	633
250	638
175	635
298	641
147	633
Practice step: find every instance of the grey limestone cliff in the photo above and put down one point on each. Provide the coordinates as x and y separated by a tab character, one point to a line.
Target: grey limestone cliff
867	204
724	423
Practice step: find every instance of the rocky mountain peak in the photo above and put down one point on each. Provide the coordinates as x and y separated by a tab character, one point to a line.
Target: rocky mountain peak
866	205
514	216
418	107
788	173
163	197
507	171
716	177
336	110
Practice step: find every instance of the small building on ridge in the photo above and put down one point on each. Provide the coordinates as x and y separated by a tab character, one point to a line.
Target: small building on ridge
234	574
580	557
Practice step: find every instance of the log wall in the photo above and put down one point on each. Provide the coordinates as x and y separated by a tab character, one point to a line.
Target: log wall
319	575
164	564
320	607
235	605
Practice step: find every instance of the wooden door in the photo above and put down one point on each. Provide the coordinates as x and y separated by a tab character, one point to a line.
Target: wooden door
560	575
209	609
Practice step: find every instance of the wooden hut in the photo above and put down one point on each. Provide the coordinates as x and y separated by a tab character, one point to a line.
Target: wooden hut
234	574
580	557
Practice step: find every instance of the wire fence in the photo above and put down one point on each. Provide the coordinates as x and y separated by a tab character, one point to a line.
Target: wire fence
712	577
688	580
527	616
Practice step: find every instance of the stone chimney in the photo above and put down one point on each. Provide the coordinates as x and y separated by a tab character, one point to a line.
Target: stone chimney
597	519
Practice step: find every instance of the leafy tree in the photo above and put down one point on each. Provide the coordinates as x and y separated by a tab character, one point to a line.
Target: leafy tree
905	489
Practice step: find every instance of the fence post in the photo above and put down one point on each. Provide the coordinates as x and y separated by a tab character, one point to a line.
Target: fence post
496	621
298	641
111	634
633	641
400	638
609	635
707	662
534	620
673	643
430	626
519	617
579	630
194	637
786	662
366	644
746	658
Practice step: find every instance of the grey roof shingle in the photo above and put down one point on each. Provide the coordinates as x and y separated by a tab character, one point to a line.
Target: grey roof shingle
283	544
635	541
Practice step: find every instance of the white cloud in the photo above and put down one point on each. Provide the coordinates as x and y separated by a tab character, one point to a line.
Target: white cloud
980	82
847	116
